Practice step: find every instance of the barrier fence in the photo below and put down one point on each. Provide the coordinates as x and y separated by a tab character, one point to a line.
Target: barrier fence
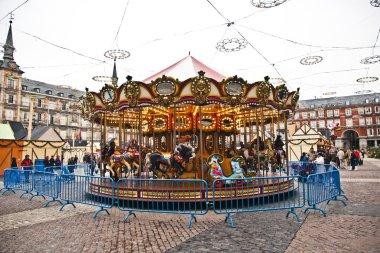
257	194
163	196
323	187
94	191
180	196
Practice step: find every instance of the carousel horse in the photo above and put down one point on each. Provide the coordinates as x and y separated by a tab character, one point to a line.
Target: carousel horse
280	152
118	162
183	153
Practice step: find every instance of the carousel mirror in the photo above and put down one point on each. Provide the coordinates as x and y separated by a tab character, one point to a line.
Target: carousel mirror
209	142
165	88
163	144
234	89
206	122
227	122
159	123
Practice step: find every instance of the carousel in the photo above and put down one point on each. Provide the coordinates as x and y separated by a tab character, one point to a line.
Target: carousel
198	128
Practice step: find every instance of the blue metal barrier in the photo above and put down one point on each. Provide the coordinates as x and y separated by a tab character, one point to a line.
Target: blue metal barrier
46	184
178	196
95	191
77	169
302	169
51	169
257	194
17	179
323	187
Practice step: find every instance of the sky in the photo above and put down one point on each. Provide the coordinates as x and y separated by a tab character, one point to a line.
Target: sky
62	42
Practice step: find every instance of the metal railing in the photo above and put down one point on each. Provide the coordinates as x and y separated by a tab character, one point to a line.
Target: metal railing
18	179
46	184
257	194
88	190
163	196
323	187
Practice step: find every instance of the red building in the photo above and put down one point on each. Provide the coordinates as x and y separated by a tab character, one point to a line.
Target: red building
358	117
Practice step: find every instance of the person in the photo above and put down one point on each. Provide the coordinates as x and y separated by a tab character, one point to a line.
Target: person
27	165
75	159
320	168
353	160
311	155
363	152
52	161
348	157
304	157
13	163
57	161
340	156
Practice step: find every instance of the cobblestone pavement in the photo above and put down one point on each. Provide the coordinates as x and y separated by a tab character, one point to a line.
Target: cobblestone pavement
25	226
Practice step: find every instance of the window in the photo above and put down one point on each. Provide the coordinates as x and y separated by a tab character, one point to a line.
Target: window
312	106
369	132
321	114
39	103
63	107
376	100
51	119
63	120
347	102
36	90
336	113
10	99
329	113
368	110
25	101
313	124
71	96
337	121
360	110
9	114
39	117
368	121
49	92
366	100
377	109
378	120
321	124
52	105
24	87
349	122
304	115
25	116
74	118
11	83
348	112
312	115
378	132
63	134
330	122
297	124
361	121
60	94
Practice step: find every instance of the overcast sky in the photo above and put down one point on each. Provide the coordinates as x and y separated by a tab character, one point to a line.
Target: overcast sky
160	33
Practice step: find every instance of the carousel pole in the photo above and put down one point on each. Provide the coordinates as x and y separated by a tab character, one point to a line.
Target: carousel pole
120	129
286	143
123	130
174	124
245	130
92	140
262	124
154	144
140	139
105	129
201	139
257	138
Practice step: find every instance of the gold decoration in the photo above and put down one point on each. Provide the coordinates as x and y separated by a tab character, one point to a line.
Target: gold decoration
200	88
263	91
295	98
108	94
132	92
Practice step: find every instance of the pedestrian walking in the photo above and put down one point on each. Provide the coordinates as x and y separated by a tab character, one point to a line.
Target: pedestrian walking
353	160
340	156
13	163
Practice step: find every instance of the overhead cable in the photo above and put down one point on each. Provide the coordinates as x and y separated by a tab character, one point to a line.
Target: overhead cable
14	10
121	22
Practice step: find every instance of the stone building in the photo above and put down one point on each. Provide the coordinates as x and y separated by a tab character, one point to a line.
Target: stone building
53	105
358	117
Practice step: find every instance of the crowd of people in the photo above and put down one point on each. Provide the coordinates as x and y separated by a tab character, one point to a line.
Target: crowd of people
349	159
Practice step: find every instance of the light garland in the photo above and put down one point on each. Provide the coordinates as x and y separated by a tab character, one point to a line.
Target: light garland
117	54
367	79
102	79
375	3
311	60
267	3
363	92
231	45
371	59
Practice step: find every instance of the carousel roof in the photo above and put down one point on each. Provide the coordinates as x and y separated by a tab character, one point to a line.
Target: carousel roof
186	68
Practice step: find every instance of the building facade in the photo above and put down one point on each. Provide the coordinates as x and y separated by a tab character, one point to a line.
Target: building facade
358	118
53	105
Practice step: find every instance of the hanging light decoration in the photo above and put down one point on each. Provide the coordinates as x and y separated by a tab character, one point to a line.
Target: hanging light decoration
311	60
367	79
371	59
117	54
231	45
267	3
102	79
375	3
277	81
361	92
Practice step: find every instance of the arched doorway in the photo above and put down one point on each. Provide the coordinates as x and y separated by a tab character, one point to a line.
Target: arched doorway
350	140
